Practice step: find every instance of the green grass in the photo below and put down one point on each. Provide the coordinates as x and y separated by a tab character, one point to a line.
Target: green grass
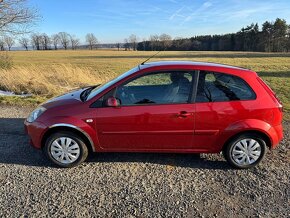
100	65
22	101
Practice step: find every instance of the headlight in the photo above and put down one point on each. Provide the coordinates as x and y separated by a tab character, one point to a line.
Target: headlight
35	114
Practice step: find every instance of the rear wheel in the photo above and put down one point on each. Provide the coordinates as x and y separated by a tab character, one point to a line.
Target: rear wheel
245	151
65	149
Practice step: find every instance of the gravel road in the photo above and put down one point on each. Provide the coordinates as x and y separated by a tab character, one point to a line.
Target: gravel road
137	185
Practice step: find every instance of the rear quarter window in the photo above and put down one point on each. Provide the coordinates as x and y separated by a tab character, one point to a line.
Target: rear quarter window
218	87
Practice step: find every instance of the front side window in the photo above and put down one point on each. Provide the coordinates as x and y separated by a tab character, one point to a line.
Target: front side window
156	88
216	87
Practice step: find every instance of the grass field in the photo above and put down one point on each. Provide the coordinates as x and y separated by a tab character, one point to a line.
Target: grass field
49	73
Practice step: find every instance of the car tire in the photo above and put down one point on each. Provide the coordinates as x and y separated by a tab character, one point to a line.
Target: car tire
65	149
245	151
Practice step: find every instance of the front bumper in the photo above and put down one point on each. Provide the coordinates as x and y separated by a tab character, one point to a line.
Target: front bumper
35	131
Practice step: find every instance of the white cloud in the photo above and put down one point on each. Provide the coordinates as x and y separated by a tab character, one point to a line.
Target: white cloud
196	13
207	4
245	13
176	14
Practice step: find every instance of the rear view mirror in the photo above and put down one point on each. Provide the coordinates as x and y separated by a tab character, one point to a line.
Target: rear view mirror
113	102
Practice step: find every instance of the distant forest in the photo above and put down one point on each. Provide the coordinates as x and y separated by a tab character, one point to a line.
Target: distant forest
271	37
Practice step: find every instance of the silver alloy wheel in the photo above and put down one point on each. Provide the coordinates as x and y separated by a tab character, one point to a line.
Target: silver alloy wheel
65	150
246	151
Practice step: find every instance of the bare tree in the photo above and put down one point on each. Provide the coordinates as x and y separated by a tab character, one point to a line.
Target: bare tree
64	39
91	40
133	41
154	42
74	42
24	42
9	42
118	45
36	41
45	41
165	41
55	40
16	17
126	44
2	45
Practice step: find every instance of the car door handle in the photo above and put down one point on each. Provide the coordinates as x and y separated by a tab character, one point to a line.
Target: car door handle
183	114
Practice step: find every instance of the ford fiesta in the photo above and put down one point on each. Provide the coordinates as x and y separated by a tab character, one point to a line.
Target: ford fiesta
184	107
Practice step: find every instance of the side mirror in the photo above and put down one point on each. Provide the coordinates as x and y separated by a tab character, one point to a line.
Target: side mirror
113	102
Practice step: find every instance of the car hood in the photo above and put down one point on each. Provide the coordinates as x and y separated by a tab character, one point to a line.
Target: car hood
71	97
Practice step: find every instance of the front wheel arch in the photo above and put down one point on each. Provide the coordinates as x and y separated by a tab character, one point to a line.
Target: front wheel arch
53	130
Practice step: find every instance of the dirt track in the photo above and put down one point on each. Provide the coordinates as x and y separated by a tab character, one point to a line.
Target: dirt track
137	185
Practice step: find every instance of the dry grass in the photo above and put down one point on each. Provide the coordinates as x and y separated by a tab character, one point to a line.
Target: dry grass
48	81
48	73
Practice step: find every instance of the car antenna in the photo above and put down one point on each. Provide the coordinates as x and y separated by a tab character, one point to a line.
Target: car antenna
150	58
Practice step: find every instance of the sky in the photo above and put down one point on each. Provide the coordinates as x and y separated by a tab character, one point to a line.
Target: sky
113	20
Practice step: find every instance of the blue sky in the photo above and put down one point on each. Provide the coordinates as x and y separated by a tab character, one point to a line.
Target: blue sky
113	20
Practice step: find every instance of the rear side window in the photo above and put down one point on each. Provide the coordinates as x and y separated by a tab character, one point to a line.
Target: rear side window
217	87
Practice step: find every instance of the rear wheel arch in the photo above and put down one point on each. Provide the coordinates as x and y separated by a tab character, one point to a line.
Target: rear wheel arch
263	135
84	137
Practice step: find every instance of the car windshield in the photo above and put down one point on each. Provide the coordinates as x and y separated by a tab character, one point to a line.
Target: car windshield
104	86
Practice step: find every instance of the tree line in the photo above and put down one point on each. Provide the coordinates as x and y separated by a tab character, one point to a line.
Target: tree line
44	42
62	40
271	37
16	20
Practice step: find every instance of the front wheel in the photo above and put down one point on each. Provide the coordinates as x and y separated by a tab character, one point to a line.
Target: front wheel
65	149
245	151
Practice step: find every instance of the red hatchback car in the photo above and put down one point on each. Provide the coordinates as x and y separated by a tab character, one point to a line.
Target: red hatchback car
184	107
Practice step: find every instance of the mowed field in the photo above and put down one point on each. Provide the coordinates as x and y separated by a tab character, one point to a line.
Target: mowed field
49	73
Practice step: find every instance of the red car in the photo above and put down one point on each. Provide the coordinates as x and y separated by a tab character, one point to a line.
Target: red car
181	107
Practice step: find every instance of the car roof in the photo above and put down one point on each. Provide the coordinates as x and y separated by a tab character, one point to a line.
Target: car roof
189	63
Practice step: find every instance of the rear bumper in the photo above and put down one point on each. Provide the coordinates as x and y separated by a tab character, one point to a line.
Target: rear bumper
35	132
276	135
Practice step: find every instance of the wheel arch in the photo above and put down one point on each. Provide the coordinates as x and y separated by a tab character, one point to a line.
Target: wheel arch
70	128
263	135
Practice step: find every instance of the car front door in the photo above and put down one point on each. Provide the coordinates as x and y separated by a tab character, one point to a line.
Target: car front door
156	113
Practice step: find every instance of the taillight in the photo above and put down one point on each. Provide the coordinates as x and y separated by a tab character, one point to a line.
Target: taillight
271	93
281	108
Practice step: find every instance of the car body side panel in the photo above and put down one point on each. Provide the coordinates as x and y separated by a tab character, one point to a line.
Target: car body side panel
85	125
250	125
216	122
145	127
